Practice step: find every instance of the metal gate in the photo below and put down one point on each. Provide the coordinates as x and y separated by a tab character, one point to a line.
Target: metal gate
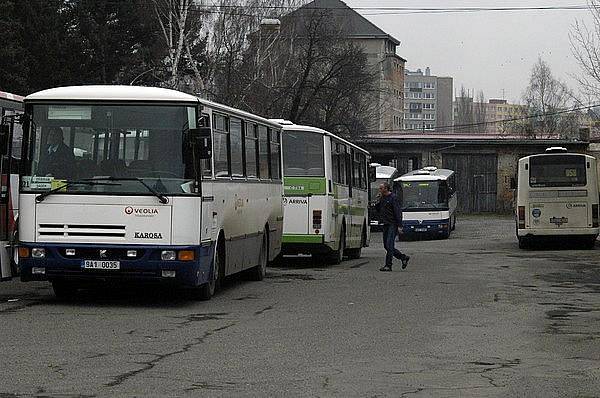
476	181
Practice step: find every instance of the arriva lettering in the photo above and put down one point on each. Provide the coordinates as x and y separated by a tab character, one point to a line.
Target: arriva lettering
298	201
148	235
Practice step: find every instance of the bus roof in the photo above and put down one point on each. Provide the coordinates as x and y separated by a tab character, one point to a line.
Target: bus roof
110	93
10	97
289	126
241	114
426	174
385	171
554	154
134	93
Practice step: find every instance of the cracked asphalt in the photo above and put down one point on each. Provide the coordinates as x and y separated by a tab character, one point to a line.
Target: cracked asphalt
472	316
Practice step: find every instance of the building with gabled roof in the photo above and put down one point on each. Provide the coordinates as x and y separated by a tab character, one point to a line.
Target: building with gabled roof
380	48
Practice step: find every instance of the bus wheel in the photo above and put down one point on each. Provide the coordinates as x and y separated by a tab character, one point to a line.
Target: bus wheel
64	290
357	253
524	243
258	273
589	242
206	291
337	256
453	224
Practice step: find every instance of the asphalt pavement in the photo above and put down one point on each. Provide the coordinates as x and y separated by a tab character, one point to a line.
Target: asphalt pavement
471	316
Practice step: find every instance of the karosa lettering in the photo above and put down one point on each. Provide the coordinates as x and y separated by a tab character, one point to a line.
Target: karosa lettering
148	235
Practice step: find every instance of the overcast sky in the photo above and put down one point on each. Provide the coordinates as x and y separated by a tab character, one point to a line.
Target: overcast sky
489	51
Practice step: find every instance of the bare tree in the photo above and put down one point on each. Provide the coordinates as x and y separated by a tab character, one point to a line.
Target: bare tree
180	23
480	113
464	112
546	100
585	46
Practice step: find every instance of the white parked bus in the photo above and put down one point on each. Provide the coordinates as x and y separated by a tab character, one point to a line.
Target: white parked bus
557	196
325	194
11	107
429	201
145	198
382	174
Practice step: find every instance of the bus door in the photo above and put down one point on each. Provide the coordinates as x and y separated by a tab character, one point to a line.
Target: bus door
7	222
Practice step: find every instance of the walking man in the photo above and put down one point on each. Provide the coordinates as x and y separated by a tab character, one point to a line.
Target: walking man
390	215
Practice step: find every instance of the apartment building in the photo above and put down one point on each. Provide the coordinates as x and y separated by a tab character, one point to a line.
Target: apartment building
427	101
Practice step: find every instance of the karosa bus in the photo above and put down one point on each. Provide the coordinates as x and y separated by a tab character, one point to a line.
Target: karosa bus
162	187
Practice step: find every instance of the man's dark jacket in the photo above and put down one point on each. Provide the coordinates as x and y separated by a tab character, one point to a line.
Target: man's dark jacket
389	210
59	163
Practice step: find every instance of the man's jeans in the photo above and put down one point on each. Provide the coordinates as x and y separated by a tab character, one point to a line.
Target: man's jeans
389	240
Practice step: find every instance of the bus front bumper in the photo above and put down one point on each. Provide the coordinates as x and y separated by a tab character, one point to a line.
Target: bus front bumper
146	266
548	232
304	244
426	227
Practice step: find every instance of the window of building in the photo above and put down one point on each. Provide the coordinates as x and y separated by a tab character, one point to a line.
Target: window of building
429	95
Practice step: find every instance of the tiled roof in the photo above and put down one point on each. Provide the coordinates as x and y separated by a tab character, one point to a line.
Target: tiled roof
351	23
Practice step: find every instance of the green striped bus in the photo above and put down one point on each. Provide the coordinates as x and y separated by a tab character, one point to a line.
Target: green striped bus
326	196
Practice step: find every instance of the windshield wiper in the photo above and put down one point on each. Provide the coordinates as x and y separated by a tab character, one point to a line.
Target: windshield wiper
67	184
162	198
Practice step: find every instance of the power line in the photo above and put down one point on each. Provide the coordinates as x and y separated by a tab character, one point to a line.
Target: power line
492	122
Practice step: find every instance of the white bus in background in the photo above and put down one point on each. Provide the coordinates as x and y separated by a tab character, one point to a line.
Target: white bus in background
429	200
325	194
11	107
557	196
146	200
382	174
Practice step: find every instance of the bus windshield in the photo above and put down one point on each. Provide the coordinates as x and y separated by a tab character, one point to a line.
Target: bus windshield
303	154
78	142
557	171
424	195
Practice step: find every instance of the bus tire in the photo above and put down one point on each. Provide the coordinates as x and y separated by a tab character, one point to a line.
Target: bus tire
453	224
524	243
337	256
64	290
589	242
205	291
355	254
258	273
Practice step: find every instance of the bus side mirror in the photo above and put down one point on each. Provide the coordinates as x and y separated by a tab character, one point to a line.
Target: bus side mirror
513	183
200	139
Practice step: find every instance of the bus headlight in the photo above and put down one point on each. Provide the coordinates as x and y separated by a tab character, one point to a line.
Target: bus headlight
38	252
168	255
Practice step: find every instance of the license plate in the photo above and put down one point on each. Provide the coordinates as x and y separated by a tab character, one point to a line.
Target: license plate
101	264
420	229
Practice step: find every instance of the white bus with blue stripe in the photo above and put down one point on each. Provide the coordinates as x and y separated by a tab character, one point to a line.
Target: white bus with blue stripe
162	187
429	201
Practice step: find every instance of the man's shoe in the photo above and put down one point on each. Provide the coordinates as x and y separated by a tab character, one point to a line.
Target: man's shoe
405	261
385	269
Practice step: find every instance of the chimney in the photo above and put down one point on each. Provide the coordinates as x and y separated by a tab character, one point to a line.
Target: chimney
270	26
427	71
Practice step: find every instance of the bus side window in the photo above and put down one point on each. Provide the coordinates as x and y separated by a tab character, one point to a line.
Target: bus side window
335	163
343	164
263	153
275	154
251	151
220	146
235	141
